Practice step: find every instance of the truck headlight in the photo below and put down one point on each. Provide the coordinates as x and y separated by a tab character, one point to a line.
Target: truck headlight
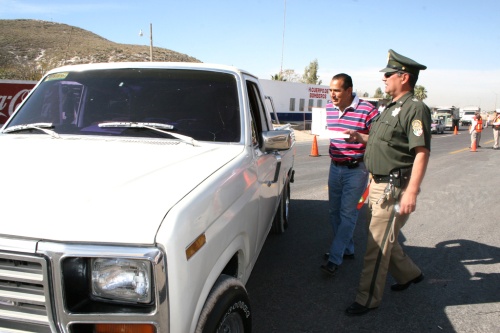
125	280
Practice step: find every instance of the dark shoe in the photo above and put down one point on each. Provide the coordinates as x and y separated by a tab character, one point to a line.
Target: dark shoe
330	268
401	287
357	309
326	256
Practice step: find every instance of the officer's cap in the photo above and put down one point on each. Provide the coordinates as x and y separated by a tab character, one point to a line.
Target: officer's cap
397	63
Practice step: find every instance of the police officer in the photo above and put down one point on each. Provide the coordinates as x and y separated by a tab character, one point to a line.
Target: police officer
496	129
397	154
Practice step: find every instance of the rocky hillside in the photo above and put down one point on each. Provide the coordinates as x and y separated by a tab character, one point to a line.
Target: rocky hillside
28	48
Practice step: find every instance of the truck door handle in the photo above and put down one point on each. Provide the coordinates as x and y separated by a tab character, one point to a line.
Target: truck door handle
278	168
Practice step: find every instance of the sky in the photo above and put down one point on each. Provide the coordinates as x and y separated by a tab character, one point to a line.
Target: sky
458	41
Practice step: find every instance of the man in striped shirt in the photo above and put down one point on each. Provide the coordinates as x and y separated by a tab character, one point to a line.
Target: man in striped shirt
348	176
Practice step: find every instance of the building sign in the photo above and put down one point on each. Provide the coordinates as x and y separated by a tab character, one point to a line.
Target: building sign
321	93
12	94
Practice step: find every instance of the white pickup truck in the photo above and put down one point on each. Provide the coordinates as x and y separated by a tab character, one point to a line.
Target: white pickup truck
136	197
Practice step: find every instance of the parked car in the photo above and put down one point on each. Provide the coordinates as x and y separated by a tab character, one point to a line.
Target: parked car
437	126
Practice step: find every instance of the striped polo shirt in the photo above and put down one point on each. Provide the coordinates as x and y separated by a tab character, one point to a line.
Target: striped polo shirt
358	117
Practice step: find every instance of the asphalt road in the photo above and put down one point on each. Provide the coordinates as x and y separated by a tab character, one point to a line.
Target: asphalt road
452	237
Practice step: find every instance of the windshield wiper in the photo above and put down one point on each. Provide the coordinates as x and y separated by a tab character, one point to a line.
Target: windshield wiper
44	127
158	127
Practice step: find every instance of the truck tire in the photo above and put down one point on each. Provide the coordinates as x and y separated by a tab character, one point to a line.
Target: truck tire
280	222
227	308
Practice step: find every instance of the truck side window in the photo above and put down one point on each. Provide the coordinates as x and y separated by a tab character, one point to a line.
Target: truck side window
257	110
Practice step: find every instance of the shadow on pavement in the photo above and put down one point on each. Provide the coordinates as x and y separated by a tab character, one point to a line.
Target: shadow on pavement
289	293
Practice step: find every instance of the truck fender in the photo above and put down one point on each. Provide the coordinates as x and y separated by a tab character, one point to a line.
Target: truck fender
239	246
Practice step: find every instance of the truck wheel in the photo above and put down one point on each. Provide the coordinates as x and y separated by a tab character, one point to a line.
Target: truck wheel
227	308
280	222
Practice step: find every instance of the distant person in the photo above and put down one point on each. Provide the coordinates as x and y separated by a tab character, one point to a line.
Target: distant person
496	129
455	122
475	130
348	177
397	154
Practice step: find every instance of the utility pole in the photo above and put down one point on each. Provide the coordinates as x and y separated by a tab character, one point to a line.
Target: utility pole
283	43
151	42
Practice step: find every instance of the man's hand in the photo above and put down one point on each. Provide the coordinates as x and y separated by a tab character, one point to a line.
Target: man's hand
408	203
356	137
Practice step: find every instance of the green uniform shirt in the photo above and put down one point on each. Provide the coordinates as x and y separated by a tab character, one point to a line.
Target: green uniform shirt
402	126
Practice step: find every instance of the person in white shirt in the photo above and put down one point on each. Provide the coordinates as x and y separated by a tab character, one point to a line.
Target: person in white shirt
496	129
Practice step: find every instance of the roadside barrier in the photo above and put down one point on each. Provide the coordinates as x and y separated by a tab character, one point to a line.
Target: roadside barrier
362	200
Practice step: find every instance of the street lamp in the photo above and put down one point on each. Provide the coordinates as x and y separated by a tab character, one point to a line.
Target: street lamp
150	40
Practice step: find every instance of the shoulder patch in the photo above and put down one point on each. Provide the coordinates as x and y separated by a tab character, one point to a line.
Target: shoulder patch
417	127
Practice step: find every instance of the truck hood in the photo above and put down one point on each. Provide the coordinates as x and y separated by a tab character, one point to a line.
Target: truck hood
98	190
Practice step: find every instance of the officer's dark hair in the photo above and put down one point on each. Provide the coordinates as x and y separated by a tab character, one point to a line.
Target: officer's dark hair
412	81
345	78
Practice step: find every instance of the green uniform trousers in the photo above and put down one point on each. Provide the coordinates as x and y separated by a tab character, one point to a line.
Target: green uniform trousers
383	252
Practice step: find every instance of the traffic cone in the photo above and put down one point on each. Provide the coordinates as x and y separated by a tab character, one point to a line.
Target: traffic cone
314	148
473	146
455	130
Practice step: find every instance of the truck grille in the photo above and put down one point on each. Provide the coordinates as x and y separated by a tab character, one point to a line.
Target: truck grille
23	290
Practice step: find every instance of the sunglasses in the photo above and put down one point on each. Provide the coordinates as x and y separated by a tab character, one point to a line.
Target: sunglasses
388	75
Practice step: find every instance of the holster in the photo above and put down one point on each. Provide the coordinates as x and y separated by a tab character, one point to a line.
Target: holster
400	177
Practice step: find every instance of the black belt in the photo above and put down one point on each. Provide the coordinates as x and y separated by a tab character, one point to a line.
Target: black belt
348	163
381	179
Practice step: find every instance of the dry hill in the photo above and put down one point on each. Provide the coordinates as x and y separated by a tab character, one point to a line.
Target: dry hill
28	48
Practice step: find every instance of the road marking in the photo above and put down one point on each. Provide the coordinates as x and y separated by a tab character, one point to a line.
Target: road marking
465	149
458	151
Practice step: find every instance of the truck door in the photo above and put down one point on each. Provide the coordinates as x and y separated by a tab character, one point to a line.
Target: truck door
265	163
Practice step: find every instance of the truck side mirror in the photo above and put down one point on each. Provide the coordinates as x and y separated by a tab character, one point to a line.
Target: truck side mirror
277	140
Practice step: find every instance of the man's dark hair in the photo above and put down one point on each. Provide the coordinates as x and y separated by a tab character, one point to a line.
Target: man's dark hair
345	78
412	80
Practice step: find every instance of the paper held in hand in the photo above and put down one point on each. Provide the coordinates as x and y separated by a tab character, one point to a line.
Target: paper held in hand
319	126
333	134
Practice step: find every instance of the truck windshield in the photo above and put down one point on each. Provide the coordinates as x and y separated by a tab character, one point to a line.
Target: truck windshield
199	104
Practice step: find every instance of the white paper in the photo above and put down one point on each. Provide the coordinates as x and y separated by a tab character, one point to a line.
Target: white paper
334	135
318	124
